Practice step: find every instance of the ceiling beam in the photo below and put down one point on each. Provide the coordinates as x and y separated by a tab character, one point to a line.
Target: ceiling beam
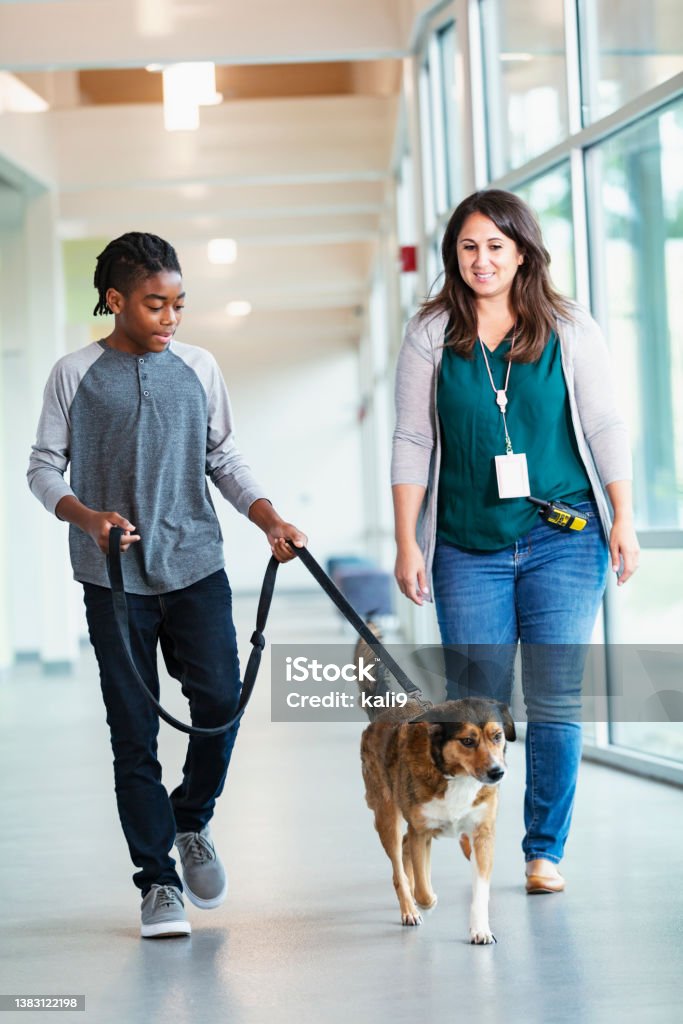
82	34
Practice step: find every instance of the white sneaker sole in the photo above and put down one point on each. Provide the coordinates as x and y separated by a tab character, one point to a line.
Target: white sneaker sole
165	929
205	904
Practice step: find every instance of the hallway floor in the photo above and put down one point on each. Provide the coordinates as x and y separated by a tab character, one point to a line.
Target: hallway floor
310	930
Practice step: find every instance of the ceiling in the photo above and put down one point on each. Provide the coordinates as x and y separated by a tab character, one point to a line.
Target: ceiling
249	81
295	164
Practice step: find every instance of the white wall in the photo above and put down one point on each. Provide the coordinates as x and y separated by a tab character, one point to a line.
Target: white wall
39	608
297	425
27	147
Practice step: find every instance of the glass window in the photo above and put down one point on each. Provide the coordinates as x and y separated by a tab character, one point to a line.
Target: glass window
439	125
629	47
427	147
636	232
650	607
446	42
550	197
434	268
663	739
406	232
525	80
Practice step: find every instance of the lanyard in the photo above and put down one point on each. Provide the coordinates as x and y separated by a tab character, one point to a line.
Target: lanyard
501	393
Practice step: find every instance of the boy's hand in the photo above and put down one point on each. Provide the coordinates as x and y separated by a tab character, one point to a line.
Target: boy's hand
277	530
99	525
278	537
96	524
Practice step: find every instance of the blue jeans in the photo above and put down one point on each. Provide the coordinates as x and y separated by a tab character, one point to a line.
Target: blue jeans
545	591
195	630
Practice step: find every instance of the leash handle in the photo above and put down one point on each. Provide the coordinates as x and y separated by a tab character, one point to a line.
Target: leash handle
120	607
352	616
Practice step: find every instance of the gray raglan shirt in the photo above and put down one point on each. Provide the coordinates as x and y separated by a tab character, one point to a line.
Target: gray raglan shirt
141	433
601	433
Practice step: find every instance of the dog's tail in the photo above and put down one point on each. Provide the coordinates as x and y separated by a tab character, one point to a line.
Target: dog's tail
377	690
372	682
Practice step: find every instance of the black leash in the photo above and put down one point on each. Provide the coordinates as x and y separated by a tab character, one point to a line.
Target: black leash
258	640
352	616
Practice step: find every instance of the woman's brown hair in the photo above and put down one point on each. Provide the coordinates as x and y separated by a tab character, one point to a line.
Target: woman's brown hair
534	301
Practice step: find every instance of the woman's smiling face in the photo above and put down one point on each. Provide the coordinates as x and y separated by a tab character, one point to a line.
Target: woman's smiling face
488	260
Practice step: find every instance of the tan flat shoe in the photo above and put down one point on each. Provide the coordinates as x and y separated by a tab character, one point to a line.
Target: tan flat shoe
542	883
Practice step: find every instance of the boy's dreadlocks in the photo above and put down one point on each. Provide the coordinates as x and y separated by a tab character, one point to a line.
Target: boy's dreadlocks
127	259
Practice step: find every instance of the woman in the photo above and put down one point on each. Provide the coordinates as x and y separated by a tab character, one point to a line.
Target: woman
499	364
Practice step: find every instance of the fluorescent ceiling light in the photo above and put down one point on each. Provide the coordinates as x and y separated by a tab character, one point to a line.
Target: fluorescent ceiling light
187	87
222	250
181	110
181	117
238	308
201	79
18	98
510	57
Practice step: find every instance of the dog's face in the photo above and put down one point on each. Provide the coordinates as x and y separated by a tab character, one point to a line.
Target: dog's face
468	737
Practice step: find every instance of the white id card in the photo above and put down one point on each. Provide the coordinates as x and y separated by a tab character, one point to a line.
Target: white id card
513	476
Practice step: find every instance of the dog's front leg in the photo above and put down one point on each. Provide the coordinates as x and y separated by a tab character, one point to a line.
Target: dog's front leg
482	865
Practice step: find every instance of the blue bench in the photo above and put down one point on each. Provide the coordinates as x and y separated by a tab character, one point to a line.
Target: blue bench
367	588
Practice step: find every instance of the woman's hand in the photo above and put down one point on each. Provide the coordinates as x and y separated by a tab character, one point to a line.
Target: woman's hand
624	548
410	572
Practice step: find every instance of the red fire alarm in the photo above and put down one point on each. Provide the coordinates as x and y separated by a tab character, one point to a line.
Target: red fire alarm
408	259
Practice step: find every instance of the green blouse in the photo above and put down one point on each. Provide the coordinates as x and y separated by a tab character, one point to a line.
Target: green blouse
470	513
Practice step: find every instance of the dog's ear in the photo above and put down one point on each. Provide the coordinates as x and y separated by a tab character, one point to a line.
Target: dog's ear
508	723
430	717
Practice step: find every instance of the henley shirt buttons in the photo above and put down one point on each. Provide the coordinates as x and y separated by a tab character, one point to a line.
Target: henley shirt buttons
146	394
141	360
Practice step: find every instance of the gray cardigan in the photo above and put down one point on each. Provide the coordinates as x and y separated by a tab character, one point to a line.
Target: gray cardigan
601	433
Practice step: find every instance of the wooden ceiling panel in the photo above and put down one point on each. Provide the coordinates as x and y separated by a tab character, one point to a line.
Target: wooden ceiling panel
253	81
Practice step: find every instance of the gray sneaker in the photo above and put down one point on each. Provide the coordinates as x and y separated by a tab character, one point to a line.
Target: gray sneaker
204	876
163	913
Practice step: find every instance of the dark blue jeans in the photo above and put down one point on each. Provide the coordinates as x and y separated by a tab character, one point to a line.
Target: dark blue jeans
195	630
544	591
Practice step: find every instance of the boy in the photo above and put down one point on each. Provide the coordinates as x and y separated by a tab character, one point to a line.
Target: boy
142	420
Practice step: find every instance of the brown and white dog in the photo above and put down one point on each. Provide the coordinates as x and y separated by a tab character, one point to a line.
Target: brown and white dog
440	774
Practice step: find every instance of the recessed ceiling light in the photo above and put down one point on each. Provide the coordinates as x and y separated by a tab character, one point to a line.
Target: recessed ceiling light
511	57
187	87
222	250
238	307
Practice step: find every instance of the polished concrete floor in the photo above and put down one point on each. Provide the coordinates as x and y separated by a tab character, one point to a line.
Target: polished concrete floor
310	930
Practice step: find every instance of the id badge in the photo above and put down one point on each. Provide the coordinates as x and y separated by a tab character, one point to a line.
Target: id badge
513	476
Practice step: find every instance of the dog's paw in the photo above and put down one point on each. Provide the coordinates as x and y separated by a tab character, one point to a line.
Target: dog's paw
481	937
413	917
428	904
